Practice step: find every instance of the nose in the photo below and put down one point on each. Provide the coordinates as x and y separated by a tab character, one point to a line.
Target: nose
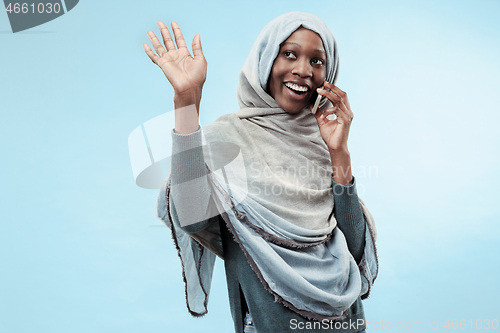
302	67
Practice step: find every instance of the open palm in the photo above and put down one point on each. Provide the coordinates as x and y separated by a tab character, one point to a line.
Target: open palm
184	72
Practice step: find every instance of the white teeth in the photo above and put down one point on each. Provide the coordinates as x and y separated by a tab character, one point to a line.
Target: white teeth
296	87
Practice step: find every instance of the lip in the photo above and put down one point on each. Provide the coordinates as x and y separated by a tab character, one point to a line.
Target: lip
299	83
298	97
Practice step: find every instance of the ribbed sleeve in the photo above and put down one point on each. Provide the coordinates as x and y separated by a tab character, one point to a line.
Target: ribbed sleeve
187	158
350	219
190	191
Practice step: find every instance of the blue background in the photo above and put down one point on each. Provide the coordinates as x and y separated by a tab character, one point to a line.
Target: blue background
80	247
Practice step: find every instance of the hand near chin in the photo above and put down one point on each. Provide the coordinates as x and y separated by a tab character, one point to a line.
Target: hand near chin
335	132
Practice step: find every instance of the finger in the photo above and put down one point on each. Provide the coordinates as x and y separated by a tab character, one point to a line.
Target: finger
150	53
156	43
179	39
318	113
345	111
167	39
329	112
342	104
339	92
321	118
334	98
196	46
321	115
342	116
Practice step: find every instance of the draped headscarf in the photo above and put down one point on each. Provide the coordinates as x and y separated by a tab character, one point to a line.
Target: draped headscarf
276	195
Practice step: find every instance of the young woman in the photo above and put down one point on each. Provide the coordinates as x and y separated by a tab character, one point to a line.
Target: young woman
269	188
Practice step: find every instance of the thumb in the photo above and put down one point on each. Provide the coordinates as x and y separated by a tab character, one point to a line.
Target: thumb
196	46
318	113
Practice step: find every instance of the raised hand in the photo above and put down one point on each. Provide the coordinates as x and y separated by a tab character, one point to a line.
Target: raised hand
185	73
336	132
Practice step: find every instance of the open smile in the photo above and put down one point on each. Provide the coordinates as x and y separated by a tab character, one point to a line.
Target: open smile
297	91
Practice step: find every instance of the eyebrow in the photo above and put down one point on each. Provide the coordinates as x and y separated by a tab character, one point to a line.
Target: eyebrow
291	43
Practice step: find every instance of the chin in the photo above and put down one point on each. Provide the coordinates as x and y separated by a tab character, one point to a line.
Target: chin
293	108
293	111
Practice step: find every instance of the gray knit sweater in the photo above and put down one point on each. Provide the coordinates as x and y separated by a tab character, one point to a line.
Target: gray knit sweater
246	292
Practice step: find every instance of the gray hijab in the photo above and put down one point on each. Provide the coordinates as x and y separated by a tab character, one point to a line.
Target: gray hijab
257	68
276	196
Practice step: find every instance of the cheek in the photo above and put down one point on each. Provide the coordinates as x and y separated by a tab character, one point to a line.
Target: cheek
320	77
271	85
278	69
274	81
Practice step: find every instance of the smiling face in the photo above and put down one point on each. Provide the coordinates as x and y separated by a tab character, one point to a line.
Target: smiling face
298	70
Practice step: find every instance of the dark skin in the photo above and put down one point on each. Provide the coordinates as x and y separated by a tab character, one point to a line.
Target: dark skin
302	61
300	64
298	71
